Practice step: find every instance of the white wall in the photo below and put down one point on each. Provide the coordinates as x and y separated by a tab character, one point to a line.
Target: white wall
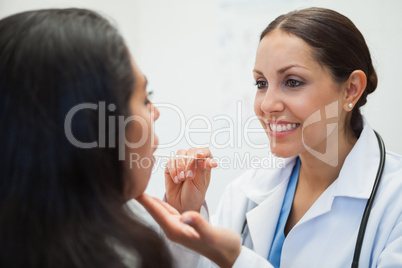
199	55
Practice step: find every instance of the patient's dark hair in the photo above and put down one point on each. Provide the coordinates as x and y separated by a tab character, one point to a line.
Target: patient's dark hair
61	205
337	44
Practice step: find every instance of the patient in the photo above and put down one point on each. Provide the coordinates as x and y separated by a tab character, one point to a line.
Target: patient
73	106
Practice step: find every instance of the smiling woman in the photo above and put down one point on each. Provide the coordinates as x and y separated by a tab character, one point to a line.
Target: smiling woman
313	72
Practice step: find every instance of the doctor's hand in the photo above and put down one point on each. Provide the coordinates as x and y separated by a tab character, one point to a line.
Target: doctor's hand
191	230
187	179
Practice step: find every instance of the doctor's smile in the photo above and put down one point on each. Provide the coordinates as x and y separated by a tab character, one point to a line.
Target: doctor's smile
280	129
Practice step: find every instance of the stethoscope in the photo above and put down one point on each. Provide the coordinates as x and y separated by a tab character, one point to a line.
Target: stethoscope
367	210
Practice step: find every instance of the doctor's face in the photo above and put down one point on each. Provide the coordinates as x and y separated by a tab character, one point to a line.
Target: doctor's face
296	97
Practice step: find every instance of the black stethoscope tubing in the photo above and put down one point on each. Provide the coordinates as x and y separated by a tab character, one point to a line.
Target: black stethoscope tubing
369	204
367	210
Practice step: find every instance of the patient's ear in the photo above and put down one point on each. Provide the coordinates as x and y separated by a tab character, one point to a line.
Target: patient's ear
355	86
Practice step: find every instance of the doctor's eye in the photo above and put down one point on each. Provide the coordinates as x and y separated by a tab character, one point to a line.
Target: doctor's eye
261	84
293	83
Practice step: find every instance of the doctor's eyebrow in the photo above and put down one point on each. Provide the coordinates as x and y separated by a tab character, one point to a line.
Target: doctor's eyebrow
258	72
284	69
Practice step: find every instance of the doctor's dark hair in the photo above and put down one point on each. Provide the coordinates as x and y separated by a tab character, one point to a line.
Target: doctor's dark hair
60	205
337	44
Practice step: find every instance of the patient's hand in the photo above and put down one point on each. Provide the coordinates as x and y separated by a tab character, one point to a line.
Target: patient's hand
220	245
187	180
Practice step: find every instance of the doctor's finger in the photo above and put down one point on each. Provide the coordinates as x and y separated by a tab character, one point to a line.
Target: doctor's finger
168	207
171	171
204	159
201	226
168	218
181	163
207	163
190	165
159	211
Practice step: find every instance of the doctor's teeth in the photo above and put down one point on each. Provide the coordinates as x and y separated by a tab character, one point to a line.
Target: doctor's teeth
283	127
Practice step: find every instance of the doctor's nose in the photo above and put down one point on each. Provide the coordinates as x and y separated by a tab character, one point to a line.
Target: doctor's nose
272	101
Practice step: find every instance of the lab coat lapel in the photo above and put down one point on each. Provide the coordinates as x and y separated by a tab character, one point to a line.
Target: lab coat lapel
262	220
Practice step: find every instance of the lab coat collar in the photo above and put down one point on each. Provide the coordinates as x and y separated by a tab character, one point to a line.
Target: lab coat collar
357	176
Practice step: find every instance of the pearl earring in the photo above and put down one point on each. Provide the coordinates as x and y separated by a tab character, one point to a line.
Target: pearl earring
350	105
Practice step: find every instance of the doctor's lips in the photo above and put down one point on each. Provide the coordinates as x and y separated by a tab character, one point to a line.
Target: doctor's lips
281	126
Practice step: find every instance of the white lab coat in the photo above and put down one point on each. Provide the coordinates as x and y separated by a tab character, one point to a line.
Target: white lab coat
326	234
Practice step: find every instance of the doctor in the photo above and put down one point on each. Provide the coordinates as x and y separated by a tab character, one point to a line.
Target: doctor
313	72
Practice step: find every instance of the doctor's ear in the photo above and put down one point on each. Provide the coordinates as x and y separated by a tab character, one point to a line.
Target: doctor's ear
355	86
